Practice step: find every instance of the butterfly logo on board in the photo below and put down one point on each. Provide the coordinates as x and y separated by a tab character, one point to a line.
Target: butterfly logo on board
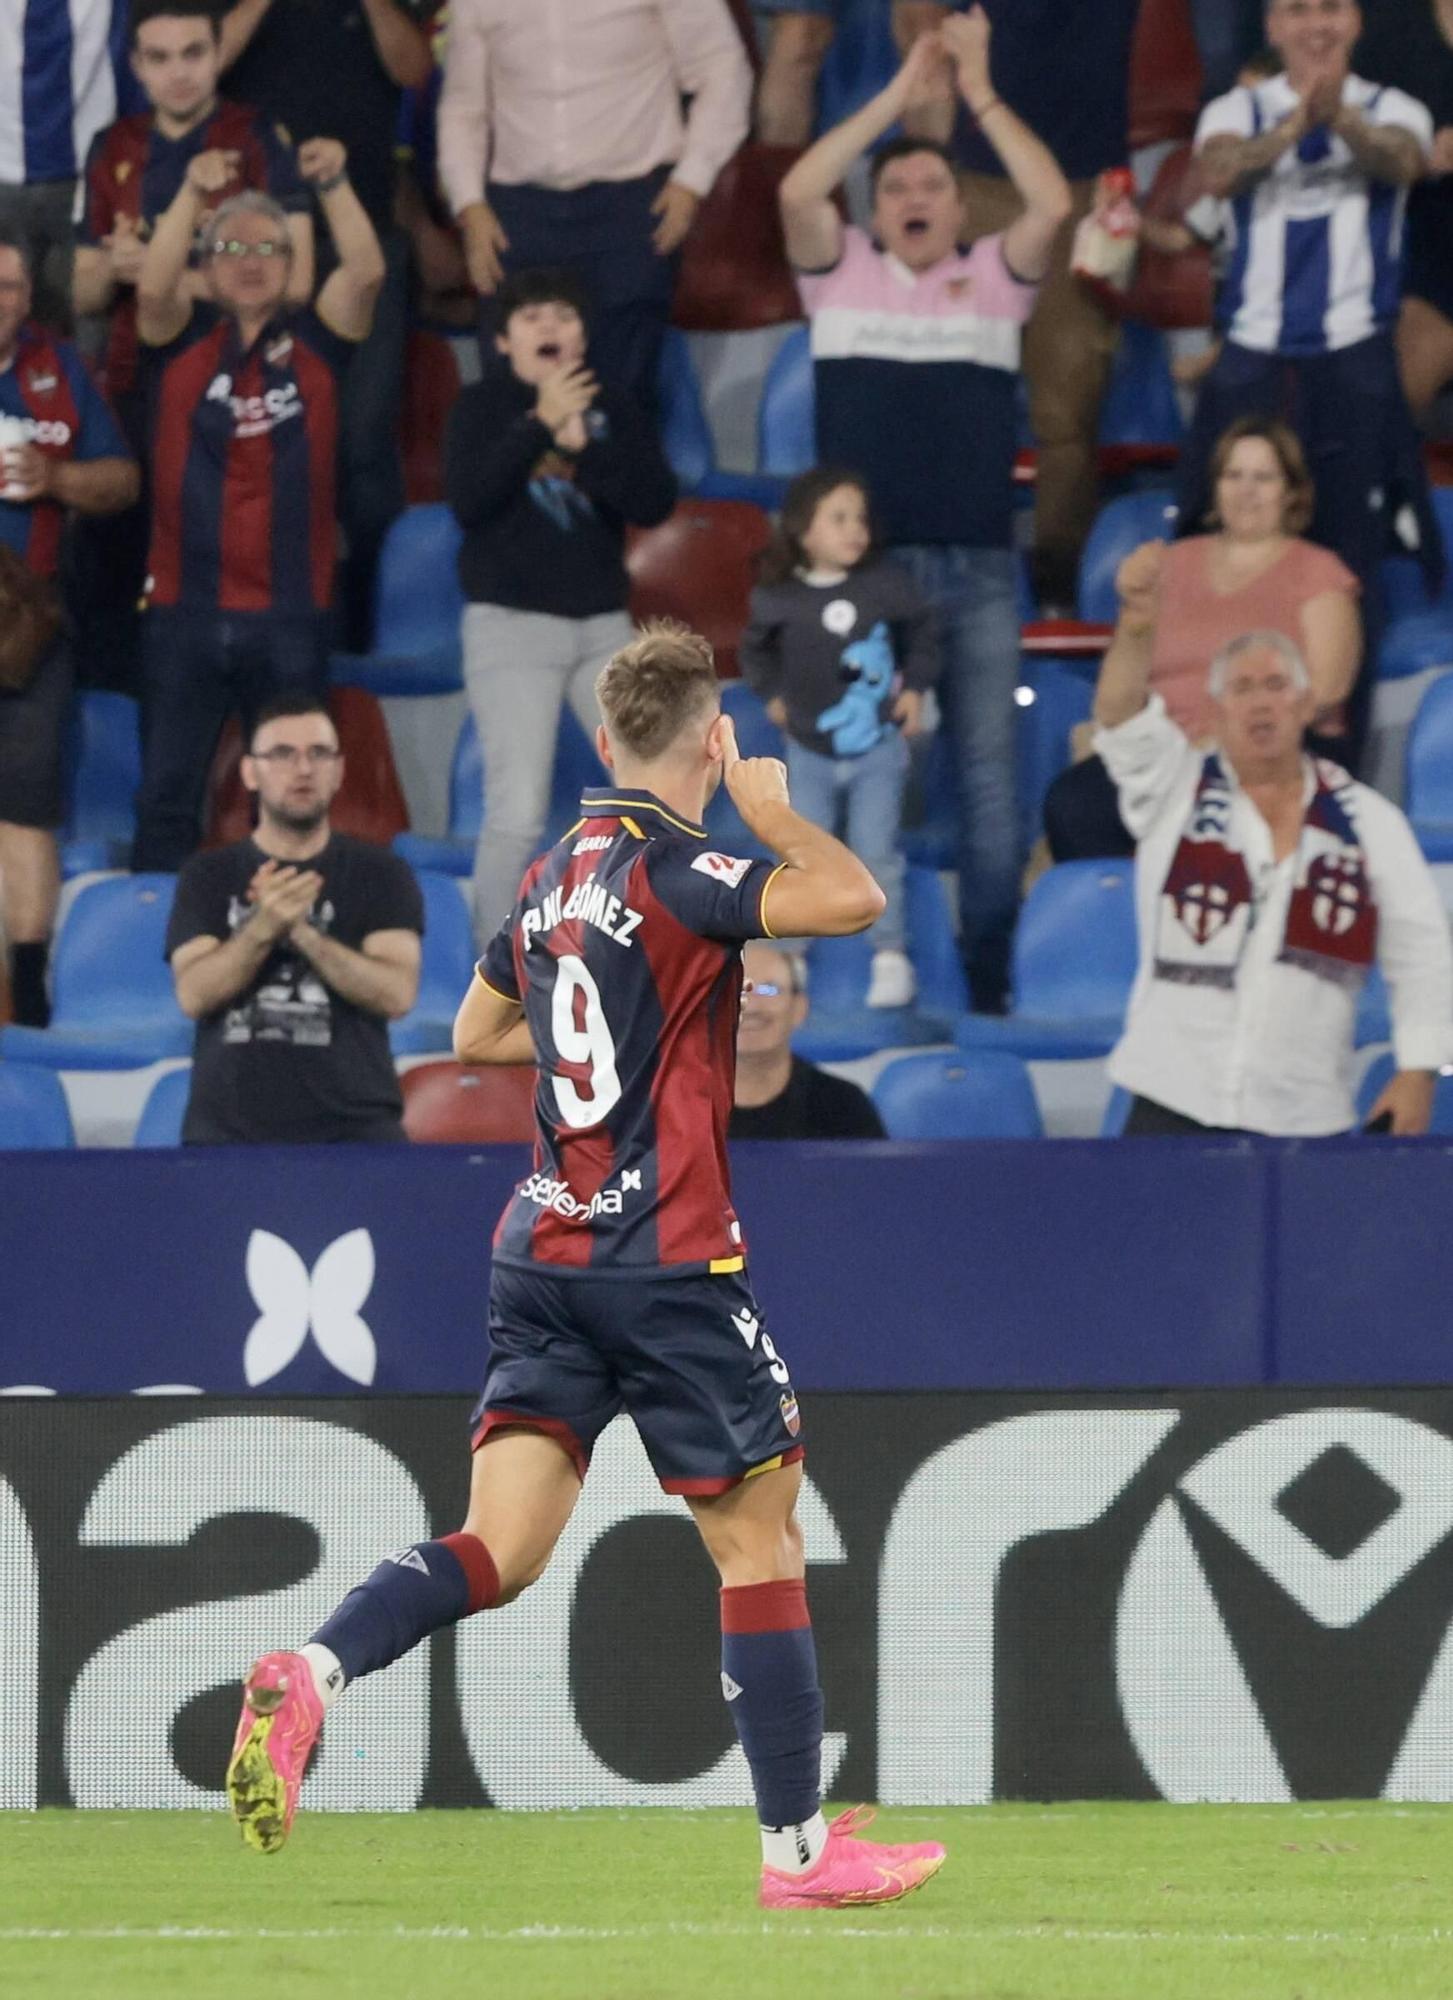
292	1301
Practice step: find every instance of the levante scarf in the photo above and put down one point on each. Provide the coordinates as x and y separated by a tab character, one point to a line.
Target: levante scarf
1208	907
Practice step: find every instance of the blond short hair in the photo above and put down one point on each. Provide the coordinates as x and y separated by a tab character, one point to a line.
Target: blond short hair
651	689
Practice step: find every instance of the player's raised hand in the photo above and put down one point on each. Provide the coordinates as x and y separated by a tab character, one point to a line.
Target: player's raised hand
754	783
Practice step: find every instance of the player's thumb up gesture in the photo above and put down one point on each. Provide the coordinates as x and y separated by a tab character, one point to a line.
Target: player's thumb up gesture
754	783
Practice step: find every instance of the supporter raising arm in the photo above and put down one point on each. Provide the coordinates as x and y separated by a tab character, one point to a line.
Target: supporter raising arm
813	226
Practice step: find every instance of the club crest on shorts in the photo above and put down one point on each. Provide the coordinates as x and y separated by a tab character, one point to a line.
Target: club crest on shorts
791	1416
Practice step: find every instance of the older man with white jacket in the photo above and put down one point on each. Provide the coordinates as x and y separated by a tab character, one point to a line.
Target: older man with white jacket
1268	884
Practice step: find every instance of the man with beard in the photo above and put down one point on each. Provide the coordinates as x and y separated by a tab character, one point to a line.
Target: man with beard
292	950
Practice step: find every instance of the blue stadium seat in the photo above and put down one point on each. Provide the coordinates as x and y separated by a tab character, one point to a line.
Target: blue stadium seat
1429	791
686	433
937	1096
1117	1110
1414	642
1063	695
113	1005
1140	404
161	1118
1075	957
576	767
417	608
1120	526
1379	1074
34	1113
786	437
444	976
105	771
841	1026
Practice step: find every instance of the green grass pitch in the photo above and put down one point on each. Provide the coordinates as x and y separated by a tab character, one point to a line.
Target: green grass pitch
1086	1902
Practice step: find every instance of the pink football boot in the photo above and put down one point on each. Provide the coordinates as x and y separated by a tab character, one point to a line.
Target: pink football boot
281	1717
852	1871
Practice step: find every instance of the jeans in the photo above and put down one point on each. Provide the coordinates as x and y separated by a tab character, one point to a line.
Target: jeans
519	666
972	591
198	668
866	791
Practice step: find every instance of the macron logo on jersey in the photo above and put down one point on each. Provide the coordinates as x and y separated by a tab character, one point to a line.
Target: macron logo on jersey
723	868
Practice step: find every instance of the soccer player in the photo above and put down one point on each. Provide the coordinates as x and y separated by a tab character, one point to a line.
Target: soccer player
619	1270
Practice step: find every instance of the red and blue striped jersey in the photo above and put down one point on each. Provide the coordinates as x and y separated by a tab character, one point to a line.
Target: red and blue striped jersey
244	447
134	170
624	948
46	388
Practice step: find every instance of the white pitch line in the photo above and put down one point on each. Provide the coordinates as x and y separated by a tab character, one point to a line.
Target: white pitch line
595	1934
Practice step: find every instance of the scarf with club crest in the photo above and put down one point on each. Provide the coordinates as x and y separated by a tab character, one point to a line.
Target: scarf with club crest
1207	905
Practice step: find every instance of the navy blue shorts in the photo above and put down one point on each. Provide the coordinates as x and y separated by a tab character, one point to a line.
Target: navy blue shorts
688	1358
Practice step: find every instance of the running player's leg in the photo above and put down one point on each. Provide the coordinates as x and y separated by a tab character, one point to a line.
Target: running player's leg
712	1398
769	1678
523	1489
547	1397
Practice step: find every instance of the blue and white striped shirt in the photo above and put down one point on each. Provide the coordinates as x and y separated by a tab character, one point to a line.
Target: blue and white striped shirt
60	61
1315	258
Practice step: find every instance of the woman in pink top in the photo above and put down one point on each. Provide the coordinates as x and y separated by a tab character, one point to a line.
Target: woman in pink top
1251	573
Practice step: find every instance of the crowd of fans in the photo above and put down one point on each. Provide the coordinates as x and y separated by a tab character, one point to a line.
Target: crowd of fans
204	308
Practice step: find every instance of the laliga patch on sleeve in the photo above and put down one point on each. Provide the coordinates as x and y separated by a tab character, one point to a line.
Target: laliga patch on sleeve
722	868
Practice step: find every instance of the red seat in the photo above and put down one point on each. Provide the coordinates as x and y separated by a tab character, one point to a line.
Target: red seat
446	1104
734	270
698	566
370	802
1165	74
431	383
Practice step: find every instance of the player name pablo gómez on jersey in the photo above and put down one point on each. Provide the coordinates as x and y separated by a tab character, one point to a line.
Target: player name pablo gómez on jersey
624	948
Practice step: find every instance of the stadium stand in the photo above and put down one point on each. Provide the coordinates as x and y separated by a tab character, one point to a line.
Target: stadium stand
34	1113
444	976
1165	74
417	608
734	273
938	1096
105	770
686	434
1120	526
697	566
1430	768
161	1118
1074	965
446	1104
576	766
113	1004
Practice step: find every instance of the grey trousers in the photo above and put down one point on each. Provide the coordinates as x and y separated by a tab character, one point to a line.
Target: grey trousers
519	667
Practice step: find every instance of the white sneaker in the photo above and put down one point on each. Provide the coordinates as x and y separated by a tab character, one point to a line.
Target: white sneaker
893	983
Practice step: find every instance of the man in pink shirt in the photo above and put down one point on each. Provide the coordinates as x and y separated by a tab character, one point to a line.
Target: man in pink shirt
562	142
915	347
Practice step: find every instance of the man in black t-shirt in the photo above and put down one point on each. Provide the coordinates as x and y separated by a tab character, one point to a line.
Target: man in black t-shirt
292	951
778	1094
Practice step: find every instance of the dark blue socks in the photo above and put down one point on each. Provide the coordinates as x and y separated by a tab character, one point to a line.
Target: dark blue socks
769	1678
407	1598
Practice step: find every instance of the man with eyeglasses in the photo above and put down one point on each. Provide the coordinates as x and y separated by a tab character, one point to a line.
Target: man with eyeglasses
780	1095
244	433
292	951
